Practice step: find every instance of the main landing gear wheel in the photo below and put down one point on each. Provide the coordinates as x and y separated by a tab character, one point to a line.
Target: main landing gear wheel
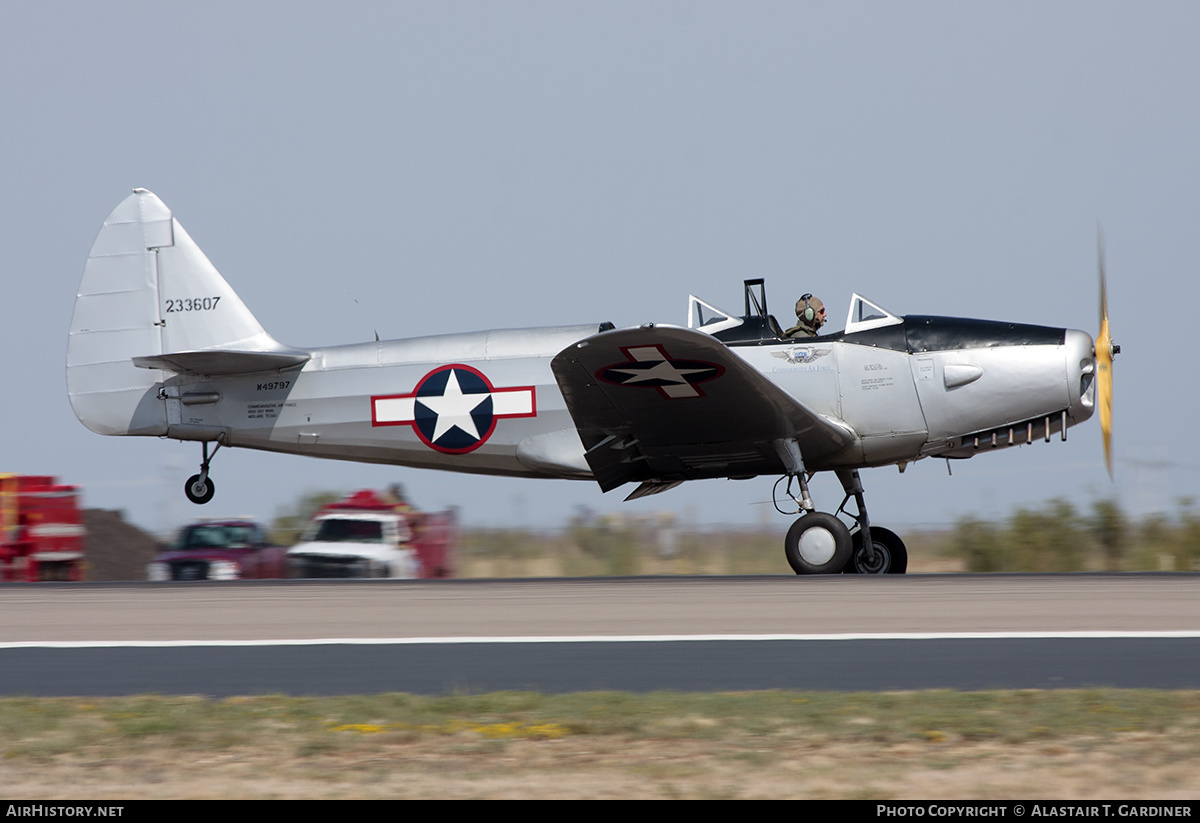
199	489
890	555
818	543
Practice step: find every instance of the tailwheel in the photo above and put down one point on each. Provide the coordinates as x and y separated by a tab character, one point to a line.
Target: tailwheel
818	543
890	555
199	489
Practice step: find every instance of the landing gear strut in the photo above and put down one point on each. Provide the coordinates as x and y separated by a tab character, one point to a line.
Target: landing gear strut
199	488
820	543
876	550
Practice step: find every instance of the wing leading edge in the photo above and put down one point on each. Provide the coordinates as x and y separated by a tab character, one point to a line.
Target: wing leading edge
663	404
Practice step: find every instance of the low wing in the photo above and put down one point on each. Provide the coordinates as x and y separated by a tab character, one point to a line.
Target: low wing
662	404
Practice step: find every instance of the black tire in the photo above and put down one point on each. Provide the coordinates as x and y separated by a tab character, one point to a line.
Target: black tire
891	557
199	491
818	543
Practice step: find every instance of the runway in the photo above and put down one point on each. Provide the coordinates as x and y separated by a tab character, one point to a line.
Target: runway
840	632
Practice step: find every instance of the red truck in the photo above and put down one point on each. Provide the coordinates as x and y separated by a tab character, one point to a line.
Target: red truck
230	549
41	529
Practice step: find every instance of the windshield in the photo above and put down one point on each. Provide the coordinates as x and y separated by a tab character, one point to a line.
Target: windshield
216	536
346	530
866	315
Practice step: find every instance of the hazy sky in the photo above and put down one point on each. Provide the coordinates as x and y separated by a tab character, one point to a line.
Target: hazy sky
413	168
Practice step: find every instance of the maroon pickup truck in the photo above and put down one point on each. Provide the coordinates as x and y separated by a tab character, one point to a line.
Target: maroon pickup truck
220	550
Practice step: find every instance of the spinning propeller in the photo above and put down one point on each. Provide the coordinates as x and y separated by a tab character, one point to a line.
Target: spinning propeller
1106	350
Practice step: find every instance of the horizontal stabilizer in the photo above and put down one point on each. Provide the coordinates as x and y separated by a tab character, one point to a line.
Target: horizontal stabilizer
222	362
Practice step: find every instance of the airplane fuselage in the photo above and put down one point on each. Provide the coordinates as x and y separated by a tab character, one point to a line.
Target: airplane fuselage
488	402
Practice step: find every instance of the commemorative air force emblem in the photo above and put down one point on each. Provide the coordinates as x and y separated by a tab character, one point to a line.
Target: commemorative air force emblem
651	367
454	408
798	355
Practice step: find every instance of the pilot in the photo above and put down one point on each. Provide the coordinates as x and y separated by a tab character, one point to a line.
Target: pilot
810	316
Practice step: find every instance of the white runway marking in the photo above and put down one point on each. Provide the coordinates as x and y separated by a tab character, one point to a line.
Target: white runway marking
639	638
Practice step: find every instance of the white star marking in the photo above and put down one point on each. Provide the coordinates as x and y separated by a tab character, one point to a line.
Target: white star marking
454	408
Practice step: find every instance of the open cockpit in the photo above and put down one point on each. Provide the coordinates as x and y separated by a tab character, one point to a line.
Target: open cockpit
758	327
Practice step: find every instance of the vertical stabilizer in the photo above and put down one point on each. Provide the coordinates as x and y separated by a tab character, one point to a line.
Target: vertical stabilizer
147	290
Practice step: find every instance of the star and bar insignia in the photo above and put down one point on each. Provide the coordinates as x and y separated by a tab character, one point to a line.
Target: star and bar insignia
652	367
454	408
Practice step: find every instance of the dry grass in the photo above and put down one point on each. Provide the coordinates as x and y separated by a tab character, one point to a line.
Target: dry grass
935	745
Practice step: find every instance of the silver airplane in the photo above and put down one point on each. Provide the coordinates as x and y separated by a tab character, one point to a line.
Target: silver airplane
161	346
